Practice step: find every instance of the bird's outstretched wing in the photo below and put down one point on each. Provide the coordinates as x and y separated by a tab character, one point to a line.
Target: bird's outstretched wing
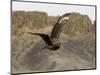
58	27
44	37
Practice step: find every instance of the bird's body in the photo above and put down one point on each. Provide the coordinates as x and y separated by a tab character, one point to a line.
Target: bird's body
52	42
54	47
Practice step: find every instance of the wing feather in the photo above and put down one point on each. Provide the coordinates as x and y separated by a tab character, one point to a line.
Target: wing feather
44	37
58	27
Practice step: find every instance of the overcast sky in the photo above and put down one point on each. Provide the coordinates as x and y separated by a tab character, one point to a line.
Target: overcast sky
54	9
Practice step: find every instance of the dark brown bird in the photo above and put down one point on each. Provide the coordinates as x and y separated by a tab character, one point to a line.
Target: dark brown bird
52	42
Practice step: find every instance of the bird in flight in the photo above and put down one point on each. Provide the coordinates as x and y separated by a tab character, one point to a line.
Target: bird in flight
52	42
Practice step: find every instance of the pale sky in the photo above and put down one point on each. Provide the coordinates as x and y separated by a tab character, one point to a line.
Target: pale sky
54	9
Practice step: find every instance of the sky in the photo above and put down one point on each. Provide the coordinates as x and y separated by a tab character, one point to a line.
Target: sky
54	9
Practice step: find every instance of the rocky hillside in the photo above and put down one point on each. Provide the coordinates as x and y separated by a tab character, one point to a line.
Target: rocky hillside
29	20
78	24
33	20
77	50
